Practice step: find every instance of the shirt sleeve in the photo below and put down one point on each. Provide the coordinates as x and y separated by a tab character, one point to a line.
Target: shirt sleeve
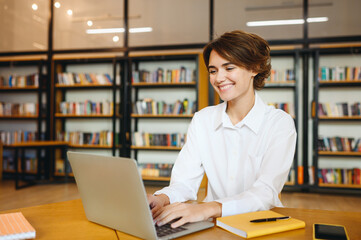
276	163
187	171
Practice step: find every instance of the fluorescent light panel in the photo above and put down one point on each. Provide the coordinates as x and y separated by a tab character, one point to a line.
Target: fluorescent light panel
286	22
118	30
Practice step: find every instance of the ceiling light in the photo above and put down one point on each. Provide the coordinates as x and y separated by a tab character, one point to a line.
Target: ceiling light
286	22
57	4
34	6
118	30
69	12
115	39
89	23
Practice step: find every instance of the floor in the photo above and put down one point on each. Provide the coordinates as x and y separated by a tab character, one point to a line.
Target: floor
50	193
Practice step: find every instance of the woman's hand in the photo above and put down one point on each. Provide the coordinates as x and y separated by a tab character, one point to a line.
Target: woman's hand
157	202
187	212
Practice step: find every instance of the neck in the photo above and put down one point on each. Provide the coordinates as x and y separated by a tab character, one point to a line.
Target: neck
238	109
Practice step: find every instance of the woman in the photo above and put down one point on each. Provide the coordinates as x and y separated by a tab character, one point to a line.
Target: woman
245	147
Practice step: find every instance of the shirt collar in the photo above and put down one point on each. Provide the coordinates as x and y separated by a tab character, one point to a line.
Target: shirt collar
253	119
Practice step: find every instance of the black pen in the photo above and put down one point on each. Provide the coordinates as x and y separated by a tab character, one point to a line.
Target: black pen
269	219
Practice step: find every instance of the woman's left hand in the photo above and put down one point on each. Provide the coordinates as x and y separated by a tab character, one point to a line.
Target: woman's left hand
187	212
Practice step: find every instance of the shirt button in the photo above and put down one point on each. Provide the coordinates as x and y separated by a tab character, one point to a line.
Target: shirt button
232	178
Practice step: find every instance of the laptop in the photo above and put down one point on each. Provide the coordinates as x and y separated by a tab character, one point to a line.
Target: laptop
113	195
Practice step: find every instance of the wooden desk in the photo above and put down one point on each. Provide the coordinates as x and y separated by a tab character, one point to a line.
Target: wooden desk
66	220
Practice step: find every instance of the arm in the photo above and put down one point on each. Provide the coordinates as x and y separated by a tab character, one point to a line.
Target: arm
187	172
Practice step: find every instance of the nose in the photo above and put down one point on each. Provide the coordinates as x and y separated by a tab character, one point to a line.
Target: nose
221	76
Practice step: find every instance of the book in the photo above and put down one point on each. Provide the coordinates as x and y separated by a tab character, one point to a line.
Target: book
15	226
240	224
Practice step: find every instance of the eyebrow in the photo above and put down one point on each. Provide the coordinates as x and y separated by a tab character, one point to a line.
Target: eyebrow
223	65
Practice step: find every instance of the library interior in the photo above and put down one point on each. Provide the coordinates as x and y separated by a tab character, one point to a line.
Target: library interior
124	78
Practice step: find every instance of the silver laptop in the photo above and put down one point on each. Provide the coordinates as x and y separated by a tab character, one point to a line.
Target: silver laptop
113	195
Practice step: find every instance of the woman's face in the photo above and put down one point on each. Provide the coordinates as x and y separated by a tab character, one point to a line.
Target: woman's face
230	81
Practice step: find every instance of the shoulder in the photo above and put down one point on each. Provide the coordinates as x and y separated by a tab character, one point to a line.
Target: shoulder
209	116
279	118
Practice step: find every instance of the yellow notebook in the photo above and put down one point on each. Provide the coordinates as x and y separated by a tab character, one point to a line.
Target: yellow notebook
240	224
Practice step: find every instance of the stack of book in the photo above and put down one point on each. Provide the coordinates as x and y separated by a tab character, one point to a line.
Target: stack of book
149	106
339	73
18	109
67	78
339	144
11	137
158	139
155	169
287	107
103	138
339	175
182	75
20	81
341	109
281	76
86	108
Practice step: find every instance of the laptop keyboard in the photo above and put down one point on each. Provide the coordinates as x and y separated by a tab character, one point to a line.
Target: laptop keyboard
166	229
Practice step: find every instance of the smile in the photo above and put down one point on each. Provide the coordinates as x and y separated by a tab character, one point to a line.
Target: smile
225	87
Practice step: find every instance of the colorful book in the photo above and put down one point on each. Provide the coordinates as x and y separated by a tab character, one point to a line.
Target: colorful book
15	226
240	224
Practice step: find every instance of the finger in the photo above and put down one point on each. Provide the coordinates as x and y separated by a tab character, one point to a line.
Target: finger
169	217
179	223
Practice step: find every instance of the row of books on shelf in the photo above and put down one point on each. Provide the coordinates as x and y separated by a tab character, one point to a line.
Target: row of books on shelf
102	138
20	81
181	75
18	109
287	107
155	169
339	144
149	106
11	137
68	78
281	75
86	108
30	163
146	139
339	176
341	109
339	73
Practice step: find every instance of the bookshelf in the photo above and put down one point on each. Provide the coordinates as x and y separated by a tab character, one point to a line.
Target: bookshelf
164	83
88	105
282	91
23	90
336	119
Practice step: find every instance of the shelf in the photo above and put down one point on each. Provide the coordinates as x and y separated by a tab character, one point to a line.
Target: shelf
343	83
60	115
57	174
27	88
161	115
334	185
347	118
82	86
160	85
90	146
330	153
151	178
171	148
284	84
19	117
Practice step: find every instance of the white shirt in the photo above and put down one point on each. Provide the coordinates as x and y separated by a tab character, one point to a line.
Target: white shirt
246	164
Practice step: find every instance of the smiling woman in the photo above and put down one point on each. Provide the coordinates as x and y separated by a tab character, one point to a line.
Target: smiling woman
244	147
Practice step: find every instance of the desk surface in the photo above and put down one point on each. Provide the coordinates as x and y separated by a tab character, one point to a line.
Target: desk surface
66	220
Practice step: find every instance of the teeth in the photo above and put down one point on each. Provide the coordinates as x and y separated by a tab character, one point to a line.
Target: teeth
225	87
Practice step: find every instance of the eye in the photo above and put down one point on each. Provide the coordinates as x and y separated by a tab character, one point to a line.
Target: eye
230	68
212	71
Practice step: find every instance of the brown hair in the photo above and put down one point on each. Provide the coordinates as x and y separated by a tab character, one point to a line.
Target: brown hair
245	50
